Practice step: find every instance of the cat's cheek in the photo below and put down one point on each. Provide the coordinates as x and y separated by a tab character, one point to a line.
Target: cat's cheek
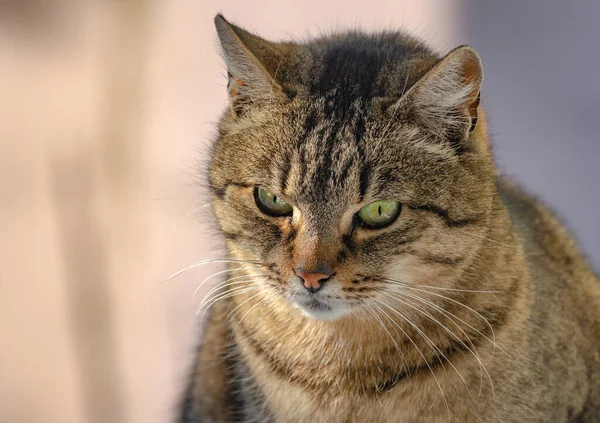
410	270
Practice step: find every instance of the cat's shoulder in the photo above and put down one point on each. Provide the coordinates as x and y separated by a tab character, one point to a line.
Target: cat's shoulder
545	237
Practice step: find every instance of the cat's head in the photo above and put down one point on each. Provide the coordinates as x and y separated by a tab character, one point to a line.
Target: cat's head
350	165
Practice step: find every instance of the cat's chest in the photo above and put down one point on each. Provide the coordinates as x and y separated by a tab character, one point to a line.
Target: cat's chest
291	403
323	394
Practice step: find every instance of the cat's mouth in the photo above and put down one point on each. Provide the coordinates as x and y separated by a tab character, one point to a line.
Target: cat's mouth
319	308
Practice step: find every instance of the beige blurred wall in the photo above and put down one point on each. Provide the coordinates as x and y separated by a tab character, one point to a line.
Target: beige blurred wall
106	109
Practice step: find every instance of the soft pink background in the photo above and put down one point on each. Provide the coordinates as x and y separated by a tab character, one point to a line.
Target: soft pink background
107	109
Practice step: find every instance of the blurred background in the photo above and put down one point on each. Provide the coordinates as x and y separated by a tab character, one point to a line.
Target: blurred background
106	111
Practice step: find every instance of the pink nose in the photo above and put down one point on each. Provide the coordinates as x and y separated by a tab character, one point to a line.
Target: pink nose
313	281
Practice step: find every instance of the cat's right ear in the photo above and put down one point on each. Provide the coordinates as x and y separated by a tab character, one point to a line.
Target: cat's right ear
252	68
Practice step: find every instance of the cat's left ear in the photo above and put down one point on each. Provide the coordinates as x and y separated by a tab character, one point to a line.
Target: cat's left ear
446	99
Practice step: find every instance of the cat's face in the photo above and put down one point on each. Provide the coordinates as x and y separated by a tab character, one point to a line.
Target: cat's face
340	196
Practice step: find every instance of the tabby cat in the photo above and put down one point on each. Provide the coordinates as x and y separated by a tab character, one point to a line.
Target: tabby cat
380	270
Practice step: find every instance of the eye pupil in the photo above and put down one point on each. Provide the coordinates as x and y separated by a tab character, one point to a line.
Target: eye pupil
379	214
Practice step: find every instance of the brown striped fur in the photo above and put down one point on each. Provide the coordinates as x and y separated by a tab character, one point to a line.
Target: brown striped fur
475	305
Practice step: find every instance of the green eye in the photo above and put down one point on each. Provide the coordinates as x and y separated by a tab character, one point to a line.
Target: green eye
379	214
271	204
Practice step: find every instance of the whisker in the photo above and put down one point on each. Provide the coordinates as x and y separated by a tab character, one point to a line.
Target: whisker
226	283
216	296
248	312
241	304
428	340
451	315
388	333
206	297
212	276
471	349
489	239
225	295
466	307
413	288
422	356
437	288
190	213
203	262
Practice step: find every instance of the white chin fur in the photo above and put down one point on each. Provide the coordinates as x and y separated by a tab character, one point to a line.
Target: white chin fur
330	314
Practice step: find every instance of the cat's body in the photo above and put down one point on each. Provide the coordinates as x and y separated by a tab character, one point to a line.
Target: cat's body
473	304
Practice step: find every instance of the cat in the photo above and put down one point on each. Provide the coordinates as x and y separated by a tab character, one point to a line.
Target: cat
381	270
